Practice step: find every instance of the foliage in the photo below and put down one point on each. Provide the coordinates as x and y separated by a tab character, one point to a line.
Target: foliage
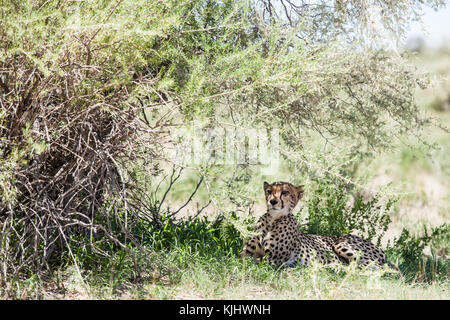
91	90
353	20
330	212
195	235
408	252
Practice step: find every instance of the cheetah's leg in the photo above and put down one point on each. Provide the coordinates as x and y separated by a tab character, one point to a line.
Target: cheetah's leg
347	249
253	248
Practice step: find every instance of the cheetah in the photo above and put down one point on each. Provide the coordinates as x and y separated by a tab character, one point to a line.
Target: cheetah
279	240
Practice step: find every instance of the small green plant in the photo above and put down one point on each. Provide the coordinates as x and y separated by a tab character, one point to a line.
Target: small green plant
408	253
330	212
195	235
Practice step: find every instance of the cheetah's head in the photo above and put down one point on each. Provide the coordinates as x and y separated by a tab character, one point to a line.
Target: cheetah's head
282	197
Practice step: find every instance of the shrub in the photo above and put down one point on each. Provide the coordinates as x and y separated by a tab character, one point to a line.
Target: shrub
90	91
408	253
333	210
67	128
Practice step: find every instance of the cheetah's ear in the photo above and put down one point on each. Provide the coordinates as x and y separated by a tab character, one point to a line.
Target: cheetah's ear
300	191
266	185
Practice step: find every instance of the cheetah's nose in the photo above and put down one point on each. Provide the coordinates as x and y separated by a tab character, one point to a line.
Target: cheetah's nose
273	202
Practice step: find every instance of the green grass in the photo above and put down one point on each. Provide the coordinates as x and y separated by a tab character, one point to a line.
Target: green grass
234	278
198	259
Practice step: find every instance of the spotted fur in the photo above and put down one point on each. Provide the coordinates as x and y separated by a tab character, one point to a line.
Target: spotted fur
279	240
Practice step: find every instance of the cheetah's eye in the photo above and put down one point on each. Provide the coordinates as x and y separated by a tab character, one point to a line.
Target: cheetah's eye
284	192
269	191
